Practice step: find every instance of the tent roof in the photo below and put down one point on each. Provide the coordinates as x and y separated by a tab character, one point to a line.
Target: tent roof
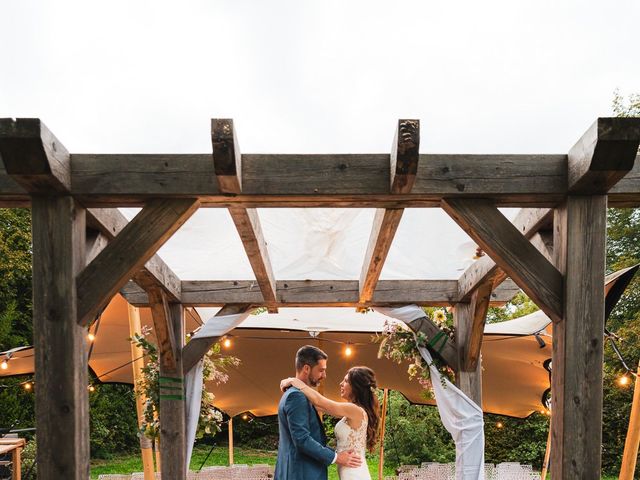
319	244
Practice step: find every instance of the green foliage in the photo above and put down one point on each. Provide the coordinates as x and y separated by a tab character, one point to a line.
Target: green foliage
112	420
415	434
15	278
521	440
214	368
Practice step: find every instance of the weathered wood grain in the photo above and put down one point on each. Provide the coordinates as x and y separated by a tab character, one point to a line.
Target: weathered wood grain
528	222
226	155
543	241
163	328
385	225
95	243
110	222
248	225
173	407
604	155
576	377
128	252
62	405
511	251
345	293
470	382
474	332
198	347
33	156
404	156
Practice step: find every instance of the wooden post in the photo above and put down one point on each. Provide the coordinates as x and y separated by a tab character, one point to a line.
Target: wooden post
230	441
630	455
16	464
157	453
547	456
172	405
62	404
138	364
383	419
576	375
470	382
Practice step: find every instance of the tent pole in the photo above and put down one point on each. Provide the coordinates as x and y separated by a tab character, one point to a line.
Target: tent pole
230	441
630	454
547	455
138	364
383	419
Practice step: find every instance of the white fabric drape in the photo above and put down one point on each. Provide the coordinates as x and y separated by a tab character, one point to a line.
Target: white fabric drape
459	414
215	327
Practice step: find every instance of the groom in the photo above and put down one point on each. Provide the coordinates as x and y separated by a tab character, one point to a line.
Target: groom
302	450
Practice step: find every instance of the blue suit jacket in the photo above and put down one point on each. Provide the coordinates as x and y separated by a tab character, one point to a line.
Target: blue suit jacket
302	452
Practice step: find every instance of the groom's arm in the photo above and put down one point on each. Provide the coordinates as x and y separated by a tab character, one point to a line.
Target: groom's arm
296	408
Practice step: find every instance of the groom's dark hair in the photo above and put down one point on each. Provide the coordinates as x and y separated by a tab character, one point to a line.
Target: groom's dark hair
309	355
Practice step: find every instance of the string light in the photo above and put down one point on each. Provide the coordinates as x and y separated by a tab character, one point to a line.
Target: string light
91	337
245	416
624	380
348	350
27	386
92	388
499	425
226	342
4	365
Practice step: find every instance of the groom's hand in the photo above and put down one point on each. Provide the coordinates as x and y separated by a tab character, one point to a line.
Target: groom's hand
349	459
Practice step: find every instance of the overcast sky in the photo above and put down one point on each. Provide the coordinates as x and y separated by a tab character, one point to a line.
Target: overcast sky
317	76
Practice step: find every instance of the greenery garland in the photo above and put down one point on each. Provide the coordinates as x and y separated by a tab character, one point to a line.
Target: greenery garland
148	387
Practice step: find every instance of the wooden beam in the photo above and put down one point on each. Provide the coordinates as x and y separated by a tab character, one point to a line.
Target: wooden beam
404	165
95	243
128	252
336	293
173	406
155	273
470	382
543	241
335	180
385	224
33	156
442	345
604	155
198	347
227	164
576	376
528	222
248	225
62	405
226	155
163	328
479	306
404	156
511	251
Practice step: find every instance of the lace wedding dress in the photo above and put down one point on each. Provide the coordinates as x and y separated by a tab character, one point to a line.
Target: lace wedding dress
349	439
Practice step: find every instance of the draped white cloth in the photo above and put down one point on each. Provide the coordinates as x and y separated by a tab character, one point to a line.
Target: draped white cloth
215	327
459	414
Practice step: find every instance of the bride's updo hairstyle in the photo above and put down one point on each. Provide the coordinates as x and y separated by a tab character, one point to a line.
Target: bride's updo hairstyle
363	387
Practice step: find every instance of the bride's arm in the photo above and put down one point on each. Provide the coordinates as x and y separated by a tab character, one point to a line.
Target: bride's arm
336	409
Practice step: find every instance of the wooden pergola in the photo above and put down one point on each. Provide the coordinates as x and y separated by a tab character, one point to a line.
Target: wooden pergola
84	251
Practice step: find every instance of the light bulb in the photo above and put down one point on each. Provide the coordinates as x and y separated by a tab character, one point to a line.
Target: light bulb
624	380
499	425
91	337
27	386
92	388
348	351
4	365
227	343
245	416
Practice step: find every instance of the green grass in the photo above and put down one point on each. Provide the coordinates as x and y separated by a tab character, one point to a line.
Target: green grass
219	456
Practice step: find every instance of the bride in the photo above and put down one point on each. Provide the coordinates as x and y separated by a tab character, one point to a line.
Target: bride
358	428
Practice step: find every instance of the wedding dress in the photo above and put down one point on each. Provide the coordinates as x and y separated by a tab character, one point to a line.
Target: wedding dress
348	438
